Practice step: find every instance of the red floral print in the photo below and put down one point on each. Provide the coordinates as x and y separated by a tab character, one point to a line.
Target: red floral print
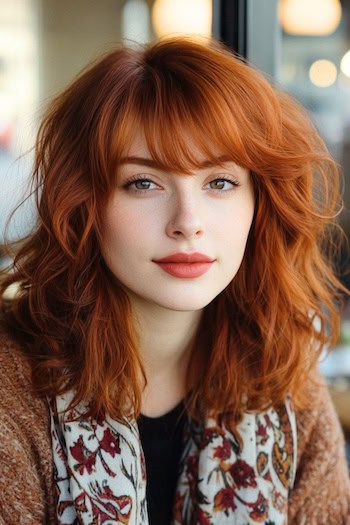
243	474
224	500
192	467
267	421
80	502
118	506
202	518
262	434
178	506
209	434
85	458
260	509
110	443
223	452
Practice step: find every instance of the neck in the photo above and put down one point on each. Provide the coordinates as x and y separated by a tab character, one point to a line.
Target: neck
165	343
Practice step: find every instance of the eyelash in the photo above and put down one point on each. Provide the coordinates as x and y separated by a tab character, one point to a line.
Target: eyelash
137	178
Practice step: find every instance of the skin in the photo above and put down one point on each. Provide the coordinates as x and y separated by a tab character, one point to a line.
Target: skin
162	214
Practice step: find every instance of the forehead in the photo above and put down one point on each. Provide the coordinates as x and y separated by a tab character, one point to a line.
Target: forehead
138	147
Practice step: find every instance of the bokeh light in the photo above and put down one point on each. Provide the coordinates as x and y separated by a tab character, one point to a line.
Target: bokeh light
323	73
310	17
183	16
345	64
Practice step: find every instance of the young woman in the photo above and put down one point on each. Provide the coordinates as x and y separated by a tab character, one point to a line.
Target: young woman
159	359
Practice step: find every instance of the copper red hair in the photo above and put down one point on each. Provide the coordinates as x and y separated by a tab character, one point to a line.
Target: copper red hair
264	333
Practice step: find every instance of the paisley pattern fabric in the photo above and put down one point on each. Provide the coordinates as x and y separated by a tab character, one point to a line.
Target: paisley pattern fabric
224	478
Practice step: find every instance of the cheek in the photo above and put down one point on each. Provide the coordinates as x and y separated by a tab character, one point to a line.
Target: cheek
126	228
246	213
234	226
247	220
116	227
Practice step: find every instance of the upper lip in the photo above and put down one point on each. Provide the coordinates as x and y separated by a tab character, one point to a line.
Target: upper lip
185	258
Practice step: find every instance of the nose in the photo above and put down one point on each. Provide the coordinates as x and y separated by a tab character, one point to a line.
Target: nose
185	219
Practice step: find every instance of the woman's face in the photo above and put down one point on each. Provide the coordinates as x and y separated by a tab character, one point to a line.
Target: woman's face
154	215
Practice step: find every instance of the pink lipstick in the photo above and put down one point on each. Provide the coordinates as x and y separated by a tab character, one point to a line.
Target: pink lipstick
185	265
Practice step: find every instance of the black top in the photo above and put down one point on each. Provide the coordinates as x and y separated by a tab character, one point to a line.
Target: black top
161	439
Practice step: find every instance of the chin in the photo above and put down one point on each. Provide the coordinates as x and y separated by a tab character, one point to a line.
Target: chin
189	305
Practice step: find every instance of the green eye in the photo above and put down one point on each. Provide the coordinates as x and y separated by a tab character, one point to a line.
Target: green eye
218	184
140	184
222	184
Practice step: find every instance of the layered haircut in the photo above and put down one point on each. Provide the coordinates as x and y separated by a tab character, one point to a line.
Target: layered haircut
262	336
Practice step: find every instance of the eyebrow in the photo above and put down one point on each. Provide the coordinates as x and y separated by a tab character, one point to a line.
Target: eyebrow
150	163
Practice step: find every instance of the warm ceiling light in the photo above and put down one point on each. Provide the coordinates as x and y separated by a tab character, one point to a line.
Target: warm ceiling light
345	64
193	17
310	17
323	73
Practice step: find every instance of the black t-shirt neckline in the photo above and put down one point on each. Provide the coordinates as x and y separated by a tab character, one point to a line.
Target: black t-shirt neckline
162	443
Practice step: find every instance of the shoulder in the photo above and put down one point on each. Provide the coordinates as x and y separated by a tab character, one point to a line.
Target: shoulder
321	493
318	425
25	443
12	360
15	381
17	398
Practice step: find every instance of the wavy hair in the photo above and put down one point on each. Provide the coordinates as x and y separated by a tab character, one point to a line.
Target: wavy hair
259	337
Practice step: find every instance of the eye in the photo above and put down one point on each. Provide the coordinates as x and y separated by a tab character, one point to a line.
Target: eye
142	184
139	184
222	184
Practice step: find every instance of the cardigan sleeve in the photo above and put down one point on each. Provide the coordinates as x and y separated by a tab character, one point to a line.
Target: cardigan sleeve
321	493
25	451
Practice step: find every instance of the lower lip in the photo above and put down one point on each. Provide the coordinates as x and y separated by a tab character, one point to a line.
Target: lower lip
186	270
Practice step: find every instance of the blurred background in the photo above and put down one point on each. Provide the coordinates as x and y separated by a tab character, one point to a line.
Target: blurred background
303	46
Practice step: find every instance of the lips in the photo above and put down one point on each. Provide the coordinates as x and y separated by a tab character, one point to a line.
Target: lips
188	258
185	265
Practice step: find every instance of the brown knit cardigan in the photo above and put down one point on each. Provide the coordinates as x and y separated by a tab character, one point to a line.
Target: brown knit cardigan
321	495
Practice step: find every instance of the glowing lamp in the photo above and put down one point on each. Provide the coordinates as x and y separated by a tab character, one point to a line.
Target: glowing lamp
310	17
187	17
